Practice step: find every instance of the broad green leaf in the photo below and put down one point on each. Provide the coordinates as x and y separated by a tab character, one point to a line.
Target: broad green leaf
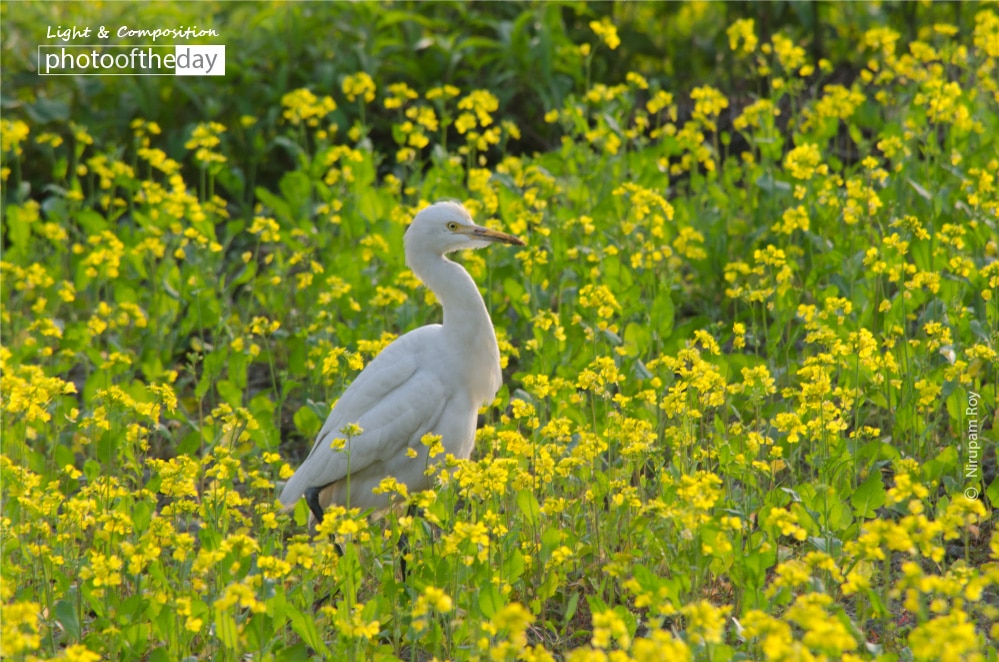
225	630
293	654
65	615
211	369
528	505
945	463
277	205
869	496
637	338
551	538
993	492
307	422
19	227
490	600
142	512
513	566
663	314
232	394
296	191
305	626
239	362
570	609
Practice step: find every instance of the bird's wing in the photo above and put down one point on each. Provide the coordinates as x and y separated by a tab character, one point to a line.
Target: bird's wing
396	399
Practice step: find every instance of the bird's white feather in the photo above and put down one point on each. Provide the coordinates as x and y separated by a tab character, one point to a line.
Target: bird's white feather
388	401
430	380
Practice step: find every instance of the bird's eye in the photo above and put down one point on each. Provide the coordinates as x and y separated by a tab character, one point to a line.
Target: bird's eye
452	226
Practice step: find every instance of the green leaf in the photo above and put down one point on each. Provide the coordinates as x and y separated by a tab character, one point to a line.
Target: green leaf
92	222
596	604
245	274
263	407
551	538
513	566
298	353
64	456
637	338
305	627
570	609
301	513
296	191
232	394
65	615
869	496
528	505
757	564
877	451
239	362
993	492
91	469
212	368
293	654
136	635
159	655
514	291
663	314
277	205
307	422
490	600
945	463
225	630
19	228
142	514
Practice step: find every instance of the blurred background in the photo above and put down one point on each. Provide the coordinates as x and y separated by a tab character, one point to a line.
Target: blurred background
527	54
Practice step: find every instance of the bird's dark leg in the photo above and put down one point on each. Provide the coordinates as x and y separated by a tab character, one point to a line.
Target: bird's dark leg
403	545
312	500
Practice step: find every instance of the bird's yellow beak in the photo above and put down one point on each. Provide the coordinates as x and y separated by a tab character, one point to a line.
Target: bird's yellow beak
485	234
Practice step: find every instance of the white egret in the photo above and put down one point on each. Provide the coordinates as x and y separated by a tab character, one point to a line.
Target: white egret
430	380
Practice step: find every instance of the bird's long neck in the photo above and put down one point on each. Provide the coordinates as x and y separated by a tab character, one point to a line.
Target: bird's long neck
465	314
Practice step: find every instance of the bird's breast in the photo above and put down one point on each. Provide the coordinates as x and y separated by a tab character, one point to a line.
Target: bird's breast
473	362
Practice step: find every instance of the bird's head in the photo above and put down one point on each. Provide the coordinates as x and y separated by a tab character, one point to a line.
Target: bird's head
444	227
